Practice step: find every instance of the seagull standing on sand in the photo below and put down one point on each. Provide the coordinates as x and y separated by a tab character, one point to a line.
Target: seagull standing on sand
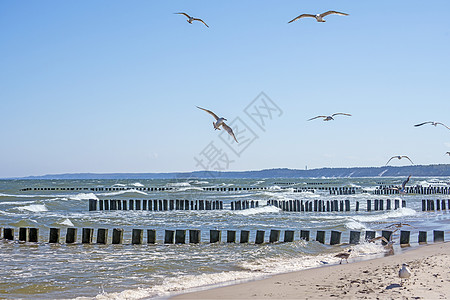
329	118
432	123
220	122
191	19
343	255
404	273
319	17
399	157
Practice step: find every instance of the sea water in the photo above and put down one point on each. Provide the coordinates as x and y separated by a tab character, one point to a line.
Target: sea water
43	271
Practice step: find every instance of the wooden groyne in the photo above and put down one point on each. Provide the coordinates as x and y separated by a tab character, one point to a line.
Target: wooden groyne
154	205
429	205
180	236
141	189
418	189
335	205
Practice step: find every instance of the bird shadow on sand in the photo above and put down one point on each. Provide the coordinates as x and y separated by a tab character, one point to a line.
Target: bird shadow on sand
393	286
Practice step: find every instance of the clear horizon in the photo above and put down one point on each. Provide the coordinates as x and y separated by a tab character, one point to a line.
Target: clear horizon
112	87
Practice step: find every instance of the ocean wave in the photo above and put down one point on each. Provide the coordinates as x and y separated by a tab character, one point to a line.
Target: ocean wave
137	184
83	196
34	208
132	191
66	222
178	184
392	214
258	210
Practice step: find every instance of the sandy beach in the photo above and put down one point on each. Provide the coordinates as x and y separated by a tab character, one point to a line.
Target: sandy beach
370	279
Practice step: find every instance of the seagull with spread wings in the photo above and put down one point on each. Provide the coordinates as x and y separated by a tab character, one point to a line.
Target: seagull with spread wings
432	123
319	17
220	122
399	157
191	19
329	118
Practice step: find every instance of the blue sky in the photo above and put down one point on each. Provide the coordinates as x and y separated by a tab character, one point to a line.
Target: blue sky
111	86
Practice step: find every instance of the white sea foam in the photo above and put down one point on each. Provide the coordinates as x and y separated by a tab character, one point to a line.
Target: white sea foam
34	208
258	210
178	184
137	184
66	222
83	196
132	191
352	224
16	202
120	184
200	182
392	214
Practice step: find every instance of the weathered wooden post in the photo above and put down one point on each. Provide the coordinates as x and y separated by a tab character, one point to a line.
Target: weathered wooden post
33	235
151	236
357	206
438	205
119	204
100	204
169	236
376	204
422	237
355	237
347	205
231	236
370	235
289	236
404	238
315	205
171	204
102	236
245	236
54	235
117	235
388	204
381	204
8	234
424	205
369	205
92	204
124	204
23	234
320	236
215	236
201	205
387	234
194	236
328	205
396	204
113	204
180	236
403	203
438	236
137	236
87	235
304	235
259	236
137	204
443	205
165	205
106	204
274	236
144	204
335	237
131	204
341	205
232	205
71	235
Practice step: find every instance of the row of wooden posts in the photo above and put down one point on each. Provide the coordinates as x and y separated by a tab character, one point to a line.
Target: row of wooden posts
154	205
333	205
430	190
215	236
144	189
428	205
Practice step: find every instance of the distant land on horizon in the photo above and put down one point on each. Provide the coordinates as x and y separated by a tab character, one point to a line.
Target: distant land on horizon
386	171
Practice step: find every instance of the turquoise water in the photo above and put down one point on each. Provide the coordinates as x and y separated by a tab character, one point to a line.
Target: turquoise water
43	271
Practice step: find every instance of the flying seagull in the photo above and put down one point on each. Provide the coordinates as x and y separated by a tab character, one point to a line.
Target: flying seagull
432	123
319	17
402	190
404	273
447	153
220	122
343	255
399	157
329	118
190	19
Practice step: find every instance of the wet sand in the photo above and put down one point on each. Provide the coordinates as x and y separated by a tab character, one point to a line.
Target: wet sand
370	279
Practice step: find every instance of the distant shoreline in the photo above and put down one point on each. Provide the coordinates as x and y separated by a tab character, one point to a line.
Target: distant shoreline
440	170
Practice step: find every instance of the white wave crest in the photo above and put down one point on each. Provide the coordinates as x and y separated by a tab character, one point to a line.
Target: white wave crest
398	213
34	208
179	184
137	184
83	196
258	210
132	191
66	222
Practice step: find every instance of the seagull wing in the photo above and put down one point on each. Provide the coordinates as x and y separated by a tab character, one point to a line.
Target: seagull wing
301	16
443	125
185	14
317	117
391	159
229	130
333	12
340	114
405	182
407	158
423	123
210	112
200	20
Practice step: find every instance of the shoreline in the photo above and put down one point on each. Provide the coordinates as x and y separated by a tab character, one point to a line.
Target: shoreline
363	279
